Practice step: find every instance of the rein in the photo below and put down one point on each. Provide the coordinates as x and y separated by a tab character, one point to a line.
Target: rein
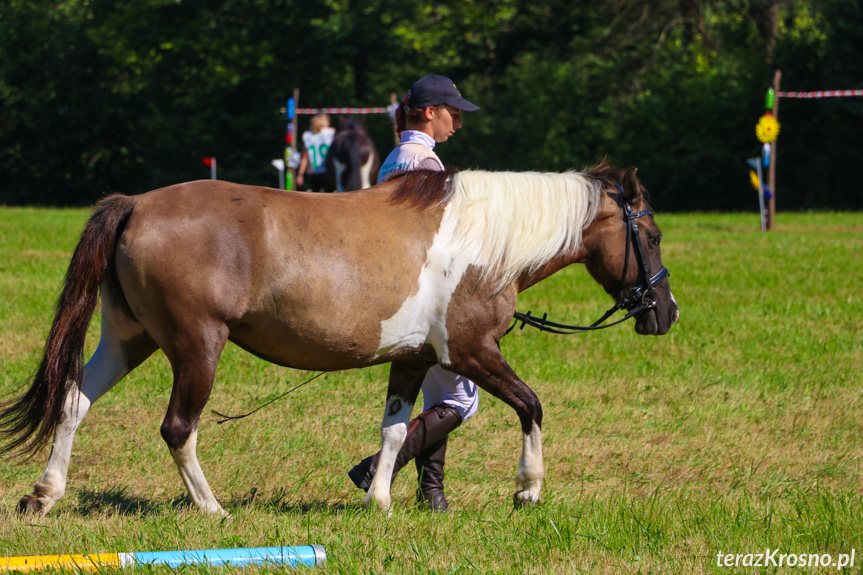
226	418
637	301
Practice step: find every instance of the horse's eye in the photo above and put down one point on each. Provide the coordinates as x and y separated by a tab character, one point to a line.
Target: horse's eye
655	240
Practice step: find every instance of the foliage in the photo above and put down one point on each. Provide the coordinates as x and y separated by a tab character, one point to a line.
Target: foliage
100	96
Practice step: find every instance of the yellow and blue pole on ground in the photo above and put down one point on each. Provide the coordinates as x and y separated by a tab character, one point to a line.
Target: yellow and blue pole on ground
304	555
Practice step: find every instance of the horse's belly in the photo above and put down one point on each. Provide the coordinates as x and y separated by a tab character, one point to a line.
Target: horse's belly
317	319
314	341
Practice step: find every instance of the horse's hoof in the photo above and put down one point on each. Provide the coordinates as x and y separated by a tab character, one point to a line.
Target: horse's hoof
522	500
31	505
215	510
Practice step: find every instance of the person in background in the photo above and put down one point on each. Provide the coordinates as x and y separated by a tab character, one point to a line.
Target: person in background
429	114
316	144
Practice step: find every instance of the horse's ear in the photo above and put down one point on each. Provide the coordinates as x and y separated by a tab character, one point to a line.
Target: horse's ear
631	189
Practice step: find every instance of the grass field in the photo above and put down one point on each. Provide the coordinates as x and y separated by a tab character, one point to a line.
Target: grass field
735	433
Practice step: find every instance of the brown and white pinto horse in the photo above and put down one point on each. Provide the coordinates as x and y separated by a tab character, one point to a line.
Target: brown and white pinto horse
421	269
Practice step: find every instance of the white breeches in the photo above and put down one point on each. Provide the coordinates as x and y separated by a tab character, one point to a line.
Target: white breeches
456	390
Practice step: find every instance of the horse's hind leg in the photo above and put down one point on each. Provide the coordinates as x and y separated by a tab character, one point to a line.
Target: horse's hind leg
122	347
193	357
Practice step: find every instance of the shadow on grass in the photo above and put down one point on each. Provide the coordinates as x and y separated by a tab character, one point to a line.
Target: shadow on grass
280	502
118	500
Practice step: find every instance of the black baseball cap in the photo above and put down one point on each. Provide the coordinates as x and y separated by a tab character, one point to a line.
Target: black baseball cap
433	90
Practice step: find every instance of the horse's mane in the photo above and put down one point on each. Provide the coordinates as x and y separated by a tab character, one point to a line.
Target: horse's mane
513	222
606	174
422	189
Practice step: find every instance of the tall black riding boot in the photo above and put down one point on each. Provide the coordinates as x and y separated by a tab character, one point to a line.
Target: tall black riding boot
424	431
430	476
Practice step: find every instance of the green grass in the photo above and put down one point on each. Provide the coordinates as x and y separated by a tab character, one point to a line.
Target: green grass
736	432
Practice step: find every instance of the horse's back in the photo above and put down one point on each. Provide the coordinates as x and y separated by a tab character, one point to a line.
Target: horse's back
299	278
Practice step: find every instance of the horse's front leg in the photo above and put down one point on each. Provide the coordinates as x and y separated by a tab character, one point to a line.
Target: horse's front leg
531	471
404	386
484	364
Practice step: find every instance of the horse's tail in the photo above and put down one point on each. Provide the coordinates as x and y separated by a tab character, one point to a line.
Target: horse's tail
29	421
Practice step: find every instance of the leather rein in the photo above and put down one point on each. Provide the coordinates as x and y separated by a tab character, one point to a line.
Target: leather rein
639	299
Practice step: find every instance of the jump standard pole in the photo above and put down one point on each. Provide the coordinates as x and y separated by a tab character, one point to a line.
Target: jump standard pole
767	131
771	169
391	110
290	137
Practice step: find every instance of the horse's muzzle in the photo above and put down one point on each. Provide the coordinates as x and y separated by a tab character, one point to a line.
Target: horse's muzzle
658	319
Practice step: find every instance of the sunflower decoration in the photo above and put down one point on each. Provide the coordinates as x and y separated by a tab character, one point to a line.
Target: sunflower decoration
767	129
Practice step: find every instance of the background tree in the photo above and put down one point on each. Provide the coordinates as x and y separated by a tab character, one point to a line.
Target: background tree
99	96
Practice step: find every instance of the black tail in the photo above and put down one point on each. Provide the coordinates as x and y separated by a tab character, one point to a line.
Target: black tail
28	422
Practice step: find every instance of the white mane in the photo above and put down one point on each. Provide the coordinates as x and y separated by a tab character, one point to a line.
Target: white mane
517	222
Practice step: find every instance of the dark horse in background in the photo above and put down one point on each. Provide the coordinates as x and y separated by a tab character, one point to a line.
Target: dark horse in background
422	269
353	161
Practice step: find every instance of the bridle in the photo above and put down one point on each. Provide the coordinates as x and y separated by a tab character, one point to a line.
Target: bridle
640	297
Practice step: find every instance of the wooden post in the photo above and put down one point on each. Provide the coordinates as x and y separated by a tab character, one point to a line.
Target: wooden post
771	173
394	100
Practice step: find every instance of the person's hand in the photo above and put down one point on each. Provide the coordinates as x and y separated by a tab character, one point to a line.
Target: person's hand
299	179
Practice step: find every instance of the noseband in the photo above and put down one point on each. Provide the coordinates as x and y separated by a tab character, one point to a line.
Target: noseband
640	297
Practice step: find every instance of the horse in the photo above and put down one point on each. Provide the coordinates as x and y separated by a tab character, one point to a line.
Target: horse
422	269
353	161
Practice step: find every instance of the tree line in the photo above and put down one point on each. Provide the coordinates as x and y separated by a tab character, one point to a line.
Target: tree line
98	96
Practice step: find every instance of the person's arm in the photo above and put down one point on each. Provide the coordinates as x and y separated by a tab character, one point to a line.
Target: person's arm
301	170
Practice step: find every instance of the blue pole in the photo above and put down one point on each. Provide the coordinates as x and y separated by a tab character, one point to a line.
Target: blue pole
305	555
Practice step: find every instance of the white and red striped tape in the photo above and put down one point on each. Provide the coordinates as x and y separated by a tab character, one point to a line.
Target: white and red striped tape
341	111
821	94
